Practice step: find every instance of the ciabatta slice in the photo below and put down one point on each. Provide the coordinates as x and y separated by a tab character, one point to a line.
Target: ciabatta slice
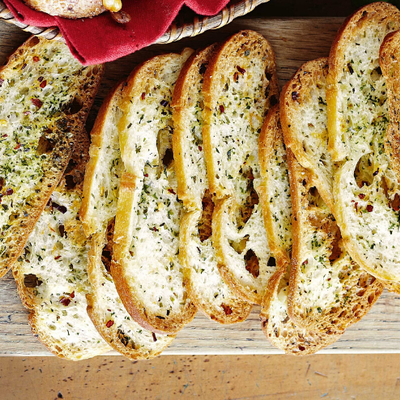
45	96
205	285
51	274
240	85
277	205
328	291
99	206
365	185
146	267
304	123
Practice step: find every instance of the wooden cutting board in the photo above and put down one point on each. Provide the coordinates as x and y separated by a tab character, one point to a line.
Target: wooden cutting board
295	41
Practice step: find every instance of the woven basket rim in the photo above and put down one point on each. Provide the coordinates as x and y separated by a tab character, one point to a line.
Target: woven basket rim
199	25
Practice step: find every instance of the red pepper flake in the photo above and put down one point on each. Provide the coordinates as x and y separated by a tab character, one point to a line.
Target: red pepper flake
356	206
43	84
5	135
57	258
17	146
36	102
154	337
72	295
361	196
370	208
241	70
221	109
65	301
40	79
154	229
236	77
143	96
1	81
200	148
146	175
109	323
9	192
171	191
36	58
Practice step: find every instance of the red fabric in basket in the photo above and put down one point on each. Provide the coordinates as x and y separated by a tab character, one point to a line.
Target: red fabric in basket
101	39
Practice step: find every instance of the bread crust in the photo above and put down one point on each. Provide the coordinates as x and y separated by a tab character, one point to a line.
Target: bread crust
69	122
142	81
68	8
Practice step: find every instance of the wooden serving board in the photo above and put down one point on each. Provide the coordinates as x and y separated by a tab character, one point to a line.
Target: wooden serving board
295	41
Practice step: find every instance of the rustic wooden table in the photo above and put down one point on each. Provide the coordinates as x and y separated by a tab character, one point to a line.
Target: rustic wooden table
295	41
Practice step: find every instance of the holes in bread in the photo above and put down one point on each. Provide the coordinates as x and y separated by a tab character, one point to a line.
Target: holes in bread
376	74
164	148
247	207
74	106
168	158
107	253
364	172
32	281
252	263
239	246
46	144
314	198
205	223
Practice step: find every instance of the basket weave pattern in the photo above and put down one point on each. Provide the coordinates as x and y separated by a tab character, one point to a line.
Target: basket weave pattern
174	33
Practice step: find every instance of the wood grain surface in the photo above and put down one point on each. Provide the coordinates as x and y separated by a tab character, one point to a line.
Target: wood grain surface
295	41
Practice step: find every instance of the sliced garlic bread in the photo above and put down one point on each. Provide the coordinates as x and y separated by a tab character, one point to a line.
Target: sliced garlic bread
304	123
51	274
328	291
205	286
277	206
45	96
274	187
99	206
146	267
366	188
240	85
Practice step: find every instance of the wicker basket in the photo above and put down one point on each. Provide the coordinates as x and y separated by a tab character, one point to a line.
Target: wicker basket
176	31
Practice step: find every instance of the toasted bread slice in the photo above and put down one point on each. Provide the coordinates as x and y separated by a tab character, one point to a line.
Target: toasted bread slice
304	123
274	187
276	200
51	274
205	286
328	291
365	185
45	96
146	267
99	206
239	87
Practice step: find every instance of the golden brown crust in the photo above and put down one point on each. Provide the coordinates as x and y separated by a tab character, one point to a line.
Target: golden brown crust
68	8
389	61
60	155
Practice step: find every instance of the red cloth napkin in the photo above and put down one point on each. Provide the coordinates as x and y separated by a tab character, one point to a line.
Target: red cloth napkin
101	39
